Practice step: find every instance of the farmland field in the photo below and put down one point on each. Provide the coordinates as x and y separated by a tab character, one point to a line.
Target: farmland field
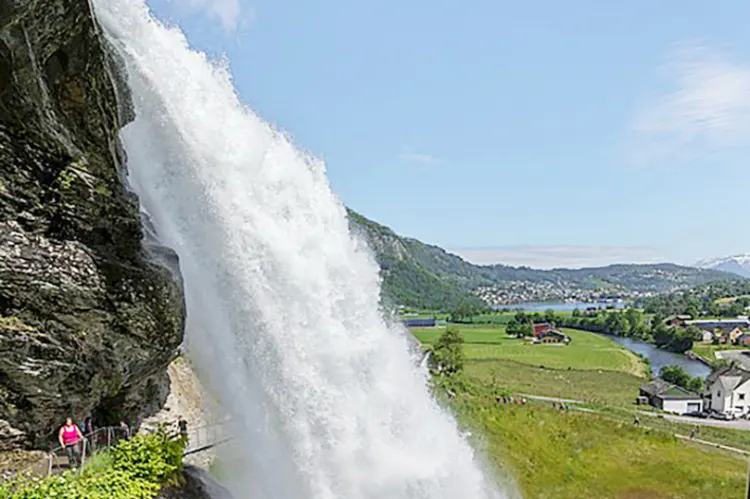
585	351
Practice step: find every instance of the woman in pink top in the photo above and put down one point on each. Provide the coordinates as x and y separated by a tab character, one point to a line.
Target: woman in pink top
70	437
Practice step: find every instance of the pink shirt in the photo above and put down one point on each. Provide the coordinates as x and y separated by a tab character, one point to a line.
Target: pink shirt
70	435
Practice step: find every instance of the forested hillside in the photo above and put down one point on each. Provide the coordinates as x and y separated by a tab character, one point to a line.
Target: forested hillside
423	275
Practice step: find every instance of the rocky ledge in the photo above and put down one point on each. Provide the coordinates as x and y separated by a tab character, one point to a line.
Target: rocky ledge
88	323
195	484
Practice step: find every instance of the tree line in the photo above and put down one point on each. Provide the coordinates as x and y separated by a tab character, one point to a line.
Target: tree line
633	323
702	300
629	323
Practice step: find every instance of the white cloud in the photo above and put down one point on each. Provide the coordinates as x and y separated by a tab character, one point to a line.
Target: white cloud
548	257
419	158
707	111
228	12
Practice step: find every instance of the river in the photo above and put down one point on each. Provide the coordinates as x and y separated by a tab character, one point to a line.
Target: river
660	358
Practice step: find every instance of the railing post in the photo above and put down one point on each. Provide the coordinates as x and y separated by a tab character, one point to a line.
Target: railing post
83	456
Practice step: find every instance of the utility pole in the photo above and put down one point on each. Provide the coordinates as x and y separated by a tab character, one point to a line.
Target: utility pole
747	486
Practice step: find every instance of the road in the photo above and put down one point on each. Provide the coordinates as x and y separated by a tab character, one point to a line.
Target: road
738	424
741	356
742	425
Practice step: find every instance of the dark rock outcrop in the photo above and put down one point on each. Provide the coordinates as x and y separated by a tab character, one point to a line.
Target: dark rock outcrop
88	324
196	484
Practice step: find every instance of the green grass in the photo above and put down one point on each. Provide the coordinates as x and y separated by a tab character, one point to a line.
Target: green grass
585	385
730	299
708	351
586	350
572	455
472	333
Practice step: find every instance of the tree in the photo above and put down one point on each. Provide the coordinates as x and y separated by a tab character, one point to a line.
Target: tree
512	327
694	332
662	334
549	316
693	311
525	330
448	354
695	384
464	312
675	375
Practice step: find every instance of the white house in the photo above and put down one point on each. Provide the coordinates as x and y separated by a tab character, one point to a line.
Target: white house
671	398
707	336
728	391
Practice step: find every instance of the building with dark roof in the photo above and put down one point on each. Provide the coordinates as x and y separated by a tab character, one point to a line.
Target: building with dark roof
671	398
547	333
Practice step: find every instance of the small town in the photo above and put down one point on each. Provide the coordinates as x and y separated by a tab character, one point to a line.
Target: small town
514	292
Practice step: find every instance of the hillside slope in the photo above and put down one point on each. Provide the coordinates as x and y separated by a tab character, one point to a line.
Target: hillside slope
736	264
423	275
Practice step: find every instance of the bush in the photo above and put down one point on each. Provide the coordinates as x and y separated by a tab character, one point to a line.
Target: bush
447	354
134	469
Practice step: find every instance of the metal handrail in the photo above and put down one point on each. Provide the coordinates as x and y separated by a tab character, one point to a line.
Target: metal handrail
197	440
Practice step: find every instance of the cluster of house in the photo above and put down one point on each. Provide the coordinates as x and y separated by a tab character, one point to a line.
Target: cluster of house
727	391
547	333
722	331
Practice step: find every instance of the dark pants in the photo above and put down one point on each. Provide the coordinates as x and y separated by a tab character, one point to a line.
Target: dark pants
74	454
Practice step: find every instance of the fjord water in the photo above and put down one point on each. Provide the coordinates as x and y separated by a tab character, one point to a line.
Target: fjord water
283	314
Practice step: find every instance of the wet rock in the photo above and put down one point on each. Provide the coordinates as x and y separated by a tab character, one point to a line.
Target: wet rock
89	319
197	484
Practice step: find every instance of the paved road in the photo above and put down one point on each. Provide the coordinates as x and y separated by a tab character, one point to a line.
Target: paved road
738	424
741	356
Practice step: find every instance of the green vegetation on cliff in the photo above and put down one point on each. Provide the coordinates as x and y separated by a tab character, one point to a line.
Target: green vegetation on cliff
422	275
134	469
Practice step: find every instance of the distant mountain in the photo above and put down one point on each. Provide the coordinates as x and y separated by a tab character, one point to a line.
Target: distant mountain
737	264
422	275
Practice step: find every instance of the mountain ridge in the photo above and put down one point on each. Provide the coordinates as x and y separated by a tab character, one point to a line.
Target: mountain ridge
425	275
735	264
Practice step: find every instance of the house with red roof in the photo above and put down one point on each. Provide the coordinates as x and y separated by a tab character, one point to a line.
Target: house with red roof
547	333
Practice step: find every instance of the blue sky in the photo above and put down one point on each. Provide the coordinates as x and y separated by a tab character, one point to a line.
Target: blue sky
540	132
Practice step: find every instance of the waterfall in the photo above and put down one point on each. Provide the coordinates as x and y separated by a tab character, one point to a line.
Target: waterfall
283	311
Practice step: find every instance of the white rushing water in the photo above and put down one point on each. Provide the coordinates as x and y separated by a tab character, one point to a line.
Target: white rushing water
283	314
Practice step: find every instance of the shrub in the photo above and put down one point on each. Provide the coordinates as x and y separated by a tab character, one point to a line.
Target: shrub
134	469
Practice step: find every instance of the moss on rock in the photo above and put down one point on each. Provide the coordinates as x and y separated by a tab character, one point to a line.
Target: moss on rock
88	323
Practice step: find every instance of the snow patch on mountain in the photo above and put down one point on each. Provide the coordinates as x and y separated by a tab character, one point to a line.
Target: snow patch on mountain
736	264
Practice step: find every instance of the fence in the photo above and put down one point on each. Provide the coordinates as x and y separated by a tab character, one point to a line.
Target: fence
59	458
205	437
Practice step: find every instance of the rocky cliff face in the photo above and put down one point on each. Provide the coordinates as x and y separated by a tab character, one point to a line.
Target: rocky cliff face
88	324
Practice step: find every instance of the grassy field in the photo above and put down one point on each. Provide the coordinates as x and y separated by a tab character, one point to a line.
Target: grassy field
585	351
708	351
573	454
577	384
552	454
